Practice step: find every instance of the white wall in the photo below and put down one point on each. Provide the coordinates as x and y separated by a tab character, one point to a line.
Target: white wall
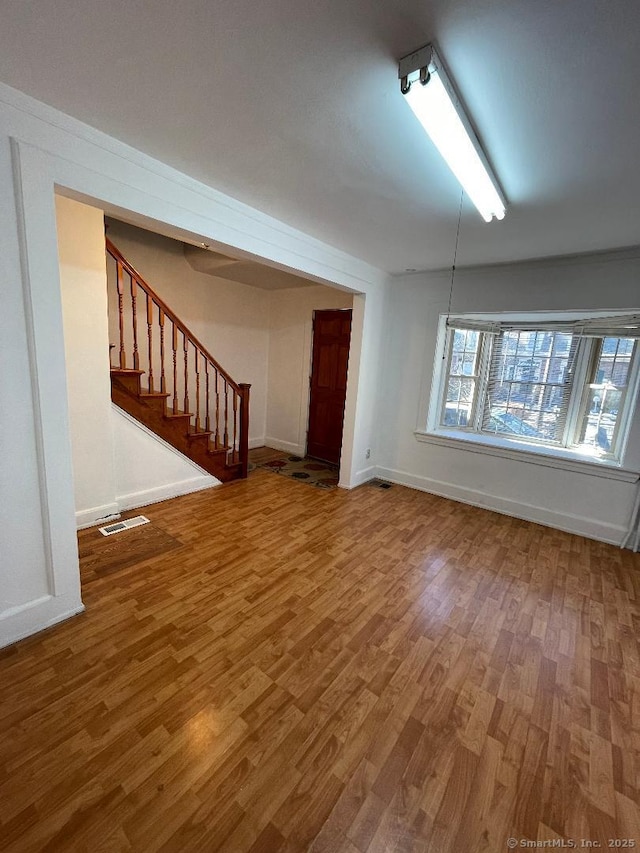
83	287
230	319
147	469
590	504
41	149
290	342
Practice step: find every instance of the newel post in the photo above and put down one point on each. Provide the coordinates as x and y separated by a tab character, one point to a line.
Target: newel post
244	428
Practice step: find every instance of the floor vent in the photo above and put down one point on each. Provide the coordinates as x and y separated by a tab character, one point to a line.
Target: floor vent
380	484
119	526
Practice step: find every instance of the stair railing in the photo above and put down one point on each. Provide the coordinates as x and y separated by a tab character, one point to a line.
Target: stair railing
177	365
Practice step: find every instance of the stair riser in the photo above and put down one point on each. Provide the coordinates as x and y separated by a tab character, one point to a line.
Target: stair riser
129	383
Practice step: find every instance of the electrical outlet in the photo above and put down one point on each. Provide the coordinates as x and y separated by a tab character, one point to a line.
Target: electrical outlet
367	453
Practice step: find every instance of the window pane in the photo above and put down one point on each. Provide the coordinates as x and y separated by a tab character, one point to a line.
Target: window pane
529	385
458	403
605	394
468	364
465	339
458	340
461	382
456	363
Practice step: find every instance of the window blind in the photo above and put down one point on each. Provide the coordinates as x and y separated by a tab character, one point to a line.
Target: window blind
604	327
529	384
625	326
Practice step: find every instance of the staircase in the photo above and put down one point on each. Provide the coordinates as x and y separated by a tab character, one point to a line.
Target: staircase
169	382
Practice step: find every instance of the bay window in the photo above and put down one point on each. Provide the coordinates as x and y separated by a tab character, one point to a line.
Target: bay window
565	385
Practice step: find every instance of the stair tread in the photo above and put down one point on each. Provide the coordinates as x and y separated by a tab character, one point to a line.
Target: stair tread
178	414
125	371
158	394
200	434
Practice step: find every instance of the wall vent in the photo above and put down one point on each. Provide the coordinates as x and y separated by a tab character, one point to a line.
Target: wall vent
379	484
119	526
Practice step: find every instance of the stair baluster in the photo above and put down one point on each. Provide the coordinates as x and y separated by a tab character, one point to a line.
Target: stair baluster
134	299
174	341
217	441
123	357
163	380
185	342
226	414
197	369
150	339
207	418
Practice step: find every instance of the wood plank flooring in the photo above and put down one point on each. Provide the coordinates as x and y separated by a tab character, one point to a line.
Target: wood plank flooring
291	669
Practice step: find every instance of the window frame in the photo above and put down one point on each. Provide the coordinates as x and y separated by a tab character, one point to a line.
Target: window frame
588	350
478	377
625	411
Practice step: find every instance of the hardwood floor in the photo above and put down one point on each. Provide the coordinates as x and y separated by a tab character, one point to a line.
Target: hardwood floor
258	455
291	669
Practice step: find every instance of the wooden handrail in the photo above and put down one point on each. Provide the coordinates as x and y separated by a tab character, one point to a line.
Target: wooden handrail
118	256
223	402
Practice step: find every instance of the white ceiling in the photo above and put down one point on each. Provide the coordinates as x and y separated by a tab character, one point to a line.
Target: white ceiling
293	106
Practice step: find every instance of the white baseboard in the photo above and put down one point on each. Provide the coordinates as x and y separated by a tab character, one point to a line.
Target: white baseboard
360	477
97	515
287	446
256	442
580	525
164	493
27	619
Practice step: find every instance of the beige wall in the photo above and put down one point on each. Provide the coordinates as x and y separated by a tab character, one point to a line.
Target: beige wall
290	339
83	285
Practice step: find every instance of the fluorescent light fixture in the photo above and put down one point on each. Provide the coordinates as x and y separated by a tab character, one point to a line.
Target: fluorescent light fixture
433	99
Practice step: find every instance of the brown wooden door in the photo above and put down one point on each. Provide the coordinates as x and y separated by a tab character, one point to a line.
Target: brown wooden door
331	338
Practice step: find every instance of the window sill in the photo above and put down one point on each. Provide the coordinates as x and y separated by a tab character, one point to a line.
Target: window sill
523	452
